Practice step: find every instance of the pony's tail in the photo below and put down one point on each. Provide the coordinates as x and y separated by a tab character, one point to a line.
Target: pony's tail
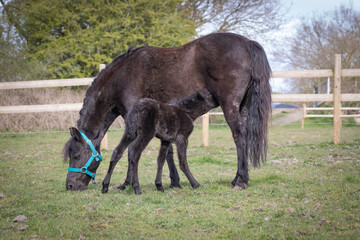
260	104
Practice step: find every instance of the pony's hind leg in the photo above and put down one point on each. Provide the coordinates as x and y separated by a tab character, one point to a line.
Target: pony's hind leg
115	157
181	145
231	103
160	164
238	126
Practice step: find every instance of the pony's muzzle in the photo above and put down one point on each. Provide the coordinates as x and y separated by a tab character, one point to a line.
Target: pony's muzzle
76	187
73	183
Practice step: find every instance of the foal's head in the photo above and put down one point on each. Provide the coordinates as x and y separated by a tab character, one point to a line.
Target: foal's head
198	103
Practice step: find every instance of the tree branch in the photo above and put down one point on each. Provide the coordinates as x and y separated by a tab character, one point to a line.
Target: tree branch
14	21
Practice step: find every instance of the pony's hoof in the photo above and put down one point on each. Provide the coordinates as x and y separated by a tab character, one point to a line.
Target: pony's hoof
105	188
240	187
160	188
196	186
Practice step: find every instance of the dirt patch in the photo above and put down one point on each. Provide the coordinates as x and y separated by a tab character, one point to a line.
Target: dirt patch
292	116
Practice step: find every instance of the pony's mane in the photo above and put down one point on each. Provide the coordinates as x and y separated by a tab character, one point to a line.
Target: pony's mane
66	150
117	60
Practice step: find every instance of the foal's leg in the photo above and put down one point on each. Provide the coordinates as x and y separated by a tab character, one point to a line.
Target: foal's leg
174	175
127	182
115	157
160	163
135	151
181	144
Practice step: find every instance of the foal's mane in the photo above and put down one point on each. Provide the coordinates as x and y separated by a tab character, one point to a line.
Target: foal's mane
98	79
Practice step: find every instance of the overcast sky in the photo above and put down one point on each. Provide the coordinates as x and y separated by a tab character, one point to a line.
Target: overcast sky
304	7
298	9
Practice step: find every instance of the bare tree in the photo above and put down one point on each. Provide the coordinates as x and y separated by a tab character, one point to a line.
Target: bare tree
318	39
247	17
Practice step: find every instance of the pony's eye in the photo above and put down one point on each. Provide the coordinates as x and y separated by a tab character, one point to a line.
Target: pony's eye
76	156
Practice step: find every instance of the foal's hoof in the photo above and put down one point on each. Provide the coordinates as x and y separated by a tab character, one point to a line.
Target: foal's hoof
122	187
137	191
196	186
175	185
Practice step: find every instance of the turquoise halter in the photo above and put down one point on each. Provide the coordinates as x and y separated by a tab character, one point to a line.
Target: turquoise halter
95	155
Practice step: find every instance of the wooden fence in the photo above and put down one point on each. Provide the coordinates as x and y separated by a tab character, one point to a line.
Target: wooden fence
342	109
336	97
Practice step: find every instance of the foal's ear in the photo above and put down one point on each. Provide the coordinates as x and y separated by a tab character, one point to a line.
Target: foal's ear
75	133
205	94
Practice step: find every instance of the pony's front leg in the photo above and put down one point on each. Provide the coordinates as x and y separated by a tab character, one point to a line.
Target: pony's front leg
160	164
115	157
181	145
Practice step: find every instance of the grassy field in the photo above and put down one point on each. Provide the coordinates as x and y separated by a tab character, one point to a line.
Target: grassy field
308	189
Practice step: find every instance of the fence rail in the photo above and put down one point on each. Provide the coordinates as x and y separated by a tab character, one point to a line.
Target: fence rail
46	83
314	73
306	115
87	81
336	97
65	107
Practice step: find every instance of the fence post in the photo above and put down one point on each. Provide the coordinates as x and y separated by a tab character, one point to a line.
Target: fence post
205	129
303	115
104	141
337	98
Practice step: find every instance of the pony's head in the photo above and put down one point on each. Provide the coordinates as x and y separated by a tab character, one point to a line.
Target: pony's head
79	152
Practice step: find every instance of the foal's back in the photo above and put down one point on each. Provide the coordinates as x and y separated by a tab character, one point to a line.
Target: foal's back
167	121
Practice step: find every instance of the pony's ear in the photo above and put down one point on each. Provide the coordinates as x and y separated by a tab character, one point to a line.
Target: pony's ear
75	133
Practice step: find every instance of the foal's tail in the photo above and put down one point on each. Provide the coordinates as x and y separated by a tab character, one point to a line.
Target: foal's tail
260	104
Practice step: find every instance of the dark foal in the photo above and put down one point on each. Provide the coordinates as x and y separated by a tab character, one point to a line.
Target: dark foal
171	123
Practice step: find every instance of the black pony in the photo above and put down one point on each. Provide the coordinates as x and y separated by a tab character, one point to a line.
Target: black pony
234	69
171	123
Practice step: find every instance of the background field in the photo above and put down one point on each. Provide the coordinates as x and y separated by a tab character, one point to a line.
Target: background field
309	188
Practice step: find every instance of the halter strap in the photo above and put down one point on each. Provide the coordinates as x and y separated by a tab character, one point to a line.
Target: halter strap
95	155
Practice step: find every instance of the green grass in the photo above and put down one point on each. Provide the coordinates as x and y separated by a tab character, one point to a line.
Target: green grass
309	188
